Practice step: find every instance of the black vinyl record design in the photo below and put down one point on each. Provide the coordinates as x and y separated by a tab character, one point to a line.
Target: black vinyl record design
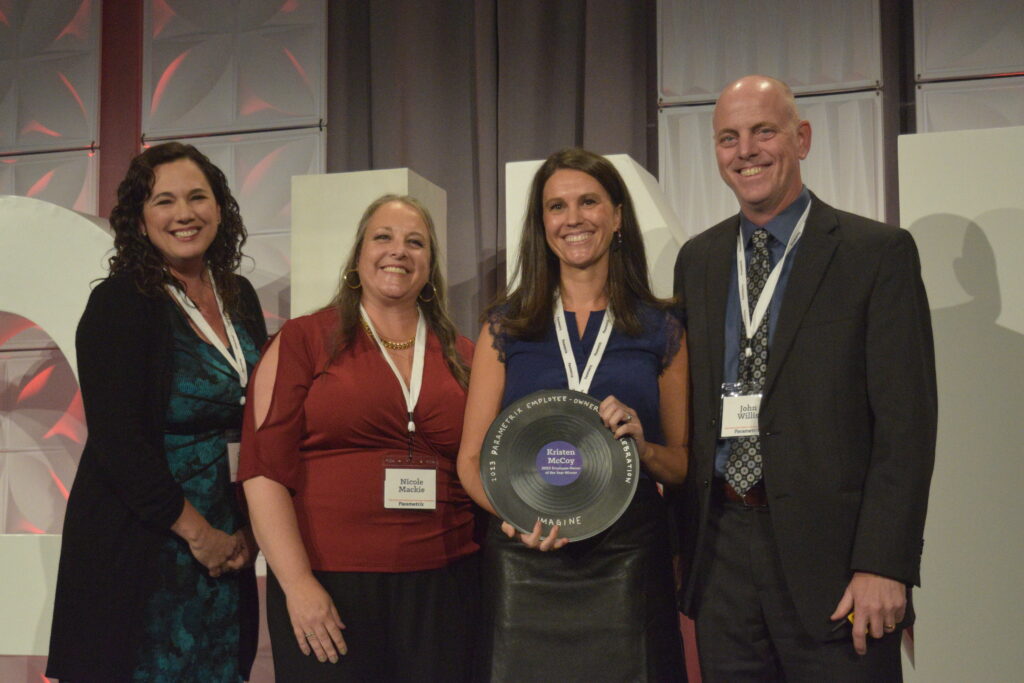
548	456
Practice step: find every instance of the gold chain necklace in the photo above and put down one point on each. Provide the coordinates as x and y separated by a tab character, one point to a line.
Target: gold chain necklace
390	345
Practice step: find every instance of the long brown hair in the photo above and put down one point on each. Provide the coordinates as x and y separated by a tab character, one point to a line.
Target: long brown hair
134	254
435	309
525	311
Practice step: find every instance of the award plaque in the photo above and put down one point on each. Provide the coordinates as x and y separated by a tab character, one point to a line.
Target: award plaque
548	456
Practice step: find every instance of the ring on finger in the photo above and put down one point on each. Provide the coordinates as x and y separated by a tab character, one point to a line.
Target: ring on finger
889	627
309	635
629	417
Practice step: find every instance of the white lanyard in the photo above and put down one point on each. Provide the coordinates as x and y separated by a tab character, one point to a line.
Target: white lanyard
235	358
412	391
581	382
751	323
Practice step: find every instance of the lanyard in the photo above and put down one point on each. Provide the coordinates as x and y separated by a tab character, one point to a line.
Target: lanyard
581	382
234	357
752	322
412	391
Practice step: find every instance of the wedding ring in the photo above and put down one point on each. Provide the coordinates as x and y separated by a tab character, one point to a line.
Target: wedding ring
889	627
310	635
629	418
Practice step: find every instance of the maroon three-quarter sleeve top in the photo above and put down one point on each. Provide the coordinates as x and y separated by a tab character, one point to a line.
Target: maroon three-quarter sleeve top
328	431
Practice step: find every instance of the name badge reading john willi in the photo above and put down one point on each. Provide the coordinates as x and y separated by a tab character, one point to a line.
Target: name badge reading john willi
410	484
739	411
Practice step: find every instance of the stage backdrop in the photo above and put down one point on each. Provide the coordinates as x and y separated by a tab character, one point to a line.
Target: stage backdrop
50	258
960	195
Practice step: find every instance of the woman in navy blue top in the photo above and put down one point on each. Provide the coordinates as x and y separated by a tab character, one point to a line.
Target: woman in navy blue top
600	608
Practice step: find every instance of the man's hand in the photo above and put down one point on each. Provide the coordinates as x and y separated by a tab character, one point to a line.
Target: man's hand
878	603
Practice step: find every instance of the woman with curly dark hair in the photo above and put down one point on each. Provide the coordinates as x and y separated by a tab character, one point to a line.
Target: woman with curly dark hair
155	580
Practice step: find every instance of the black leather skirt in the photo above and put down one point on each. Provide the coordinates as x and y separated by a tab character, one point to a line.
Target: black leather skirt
601	609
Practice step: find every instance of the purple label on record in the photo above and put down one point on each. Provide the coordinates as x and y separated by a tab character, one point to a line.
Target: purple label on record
559	463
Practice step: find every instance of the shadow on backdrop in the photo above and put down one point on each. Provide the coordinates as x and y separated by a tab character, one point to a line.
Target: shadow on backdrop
970	562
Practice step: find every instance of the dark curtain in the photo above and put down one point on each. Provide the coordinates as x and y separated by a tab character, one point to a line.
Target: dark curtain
454	89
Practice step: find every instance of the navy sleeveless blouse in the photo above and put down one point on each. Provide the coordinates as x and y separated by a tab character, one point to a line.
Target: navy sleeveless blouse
629	369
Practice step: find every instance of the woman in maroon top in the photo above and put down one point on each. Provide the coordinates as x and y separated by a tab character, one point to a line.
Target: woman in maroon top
348	455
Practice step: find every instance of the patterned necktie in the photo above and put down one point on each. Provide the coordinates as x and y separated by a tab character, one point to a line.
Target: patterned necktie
743	468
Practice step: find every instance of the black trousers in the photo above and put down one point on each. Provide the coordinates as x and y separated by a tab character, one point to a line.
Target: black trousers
747	625
408	626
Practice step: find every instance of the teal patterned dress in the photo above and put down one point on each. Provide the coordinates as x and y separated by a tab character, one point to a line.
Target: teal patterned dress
192	620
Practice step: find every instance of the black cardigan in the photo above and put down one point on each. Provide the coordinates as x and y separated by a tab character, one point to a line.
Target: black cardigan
124	499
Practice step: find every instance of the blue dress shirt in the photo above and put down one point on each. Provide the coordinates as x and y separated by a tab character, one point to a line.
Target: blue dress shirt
780	228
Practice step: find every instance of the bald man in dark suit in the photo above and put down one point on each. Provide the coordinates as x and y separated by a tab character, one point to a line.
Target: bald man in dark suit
814	417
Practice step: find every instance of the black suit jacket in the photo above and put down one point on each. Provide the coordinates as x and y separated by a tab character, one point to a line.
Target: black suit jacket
848	414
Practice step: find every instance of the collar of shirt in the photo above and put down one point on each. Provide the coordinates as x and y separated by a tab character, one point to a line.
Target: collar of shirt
781	226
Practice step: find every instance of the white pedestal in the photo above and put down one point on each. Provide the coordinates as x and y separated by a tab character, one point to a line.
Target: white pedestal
325	216
28	577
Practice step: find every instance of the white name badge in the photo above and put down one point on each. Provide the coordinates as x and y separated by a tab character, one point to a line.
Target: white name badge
410	489
739	415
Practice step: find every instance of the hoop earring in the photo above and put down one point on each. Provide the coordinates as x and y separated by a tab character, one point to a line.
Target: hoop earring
433	293
348	280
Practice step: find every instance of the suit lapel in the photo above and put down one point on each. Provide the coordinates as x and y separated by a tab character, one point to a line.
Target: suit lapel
720	257
811	261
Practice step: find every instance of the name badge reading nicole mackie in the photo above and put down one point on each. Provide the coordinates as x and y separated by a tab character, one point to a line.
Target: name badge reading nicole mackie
410	489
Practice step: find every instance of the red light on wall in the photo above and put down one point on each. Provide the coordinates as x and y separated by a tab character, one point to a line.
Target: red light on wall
26	526
253	104
36	384
40	184
14	325
267	315
58	483
165	79
79	24
36	127
289	6
74	93
72	422
259	171
162	14
298	67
